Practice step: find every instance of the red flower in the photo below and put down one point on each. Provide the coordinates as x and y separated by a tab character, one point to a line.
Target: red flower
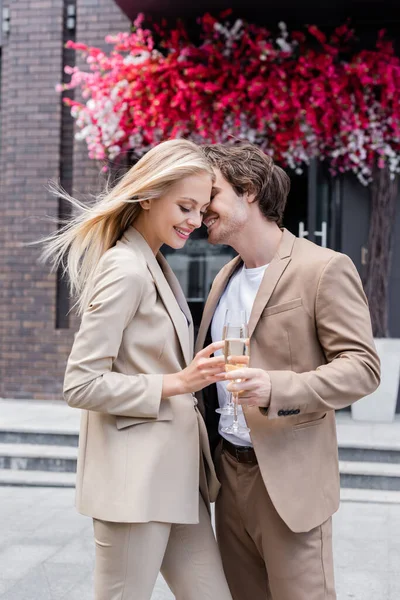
296	100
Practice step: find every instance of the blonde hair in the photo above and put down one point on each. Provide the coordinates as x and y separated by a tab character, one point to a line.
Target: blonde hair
79	245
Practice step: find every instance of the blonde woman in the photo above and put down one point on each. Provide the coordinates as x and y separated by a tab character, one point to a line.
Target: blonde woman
143	450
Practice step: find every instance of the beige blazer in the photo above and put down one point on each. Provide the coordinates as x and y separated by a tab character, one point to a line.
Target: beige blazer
138	455
310	329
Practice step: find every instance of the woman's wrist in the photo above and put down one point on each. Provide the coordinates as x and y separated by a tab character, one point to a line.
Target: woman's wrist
173	385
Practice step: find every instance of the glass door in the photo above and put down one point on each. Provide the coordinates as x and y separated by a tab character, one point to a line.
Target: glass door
196	266
312	208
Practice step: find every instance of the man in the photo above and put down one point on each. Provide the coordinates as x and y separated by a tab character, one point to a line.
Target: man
311	352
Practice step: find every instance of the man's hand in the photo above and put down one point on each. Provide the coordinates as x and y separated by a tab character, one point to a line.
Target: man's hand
254	387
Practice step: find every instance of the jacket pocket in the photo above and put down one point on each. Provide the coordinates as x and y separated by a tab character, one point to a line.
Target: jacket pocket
165	414
278	308
312	423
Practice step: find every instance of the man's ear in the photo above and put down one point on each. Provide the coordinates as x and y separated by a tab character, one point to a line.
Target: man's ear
250	197
145	204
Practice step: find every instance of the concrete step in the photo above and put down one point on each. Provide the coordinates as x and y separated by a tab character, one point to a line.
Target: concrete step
11	477
55	466
387	454
38	436
38	446
374	453
370	475
369	496
36	457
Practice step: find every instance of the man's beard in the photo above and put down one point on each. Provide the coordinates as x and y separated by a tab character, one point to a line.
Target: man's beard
225	233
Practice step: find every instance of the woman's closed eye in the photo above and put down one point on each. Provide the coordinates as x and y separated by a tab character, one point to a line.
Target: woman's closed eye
187	210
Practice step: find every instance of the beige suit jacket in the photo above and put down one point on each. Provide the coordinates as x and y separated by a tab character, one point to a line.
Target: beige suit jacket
310	329
138	455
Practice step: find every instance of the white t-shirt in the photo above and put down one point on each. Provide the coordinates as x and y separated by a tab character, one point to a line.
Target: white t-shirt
239	294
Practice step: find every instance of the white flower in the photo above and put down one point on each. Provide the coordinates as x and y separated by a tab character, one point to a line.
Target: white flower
283	45
137	59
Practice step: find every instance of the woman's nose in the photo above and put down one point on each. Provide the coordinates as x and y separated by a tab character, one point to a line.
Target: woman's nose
195	222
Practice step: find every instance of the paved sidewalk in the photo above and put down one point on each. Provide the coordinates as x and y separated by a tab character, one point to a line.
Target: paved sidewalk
46	549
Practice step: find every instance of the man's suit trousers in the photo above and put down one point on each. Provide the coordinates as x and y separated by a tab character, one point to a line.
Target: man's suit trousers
263	559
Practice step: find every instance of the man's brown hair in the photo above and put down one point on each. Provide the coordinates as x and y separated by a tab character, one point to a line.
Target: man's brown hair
249	170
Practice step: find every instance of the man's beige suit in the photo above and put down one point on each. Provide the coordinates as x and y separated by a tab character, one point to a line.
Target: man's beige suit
138	455
310	330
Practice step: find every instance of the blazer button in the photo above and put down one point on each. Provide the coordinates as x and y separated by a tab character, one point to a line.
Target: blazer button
281	413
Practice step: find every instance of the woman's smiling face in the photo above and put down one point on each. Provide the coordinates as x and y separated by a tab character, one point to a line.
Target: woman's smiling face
171	218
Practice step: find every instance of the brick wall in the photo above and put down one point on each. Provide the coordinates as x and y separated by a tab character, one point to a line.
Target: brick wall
32	351
96	19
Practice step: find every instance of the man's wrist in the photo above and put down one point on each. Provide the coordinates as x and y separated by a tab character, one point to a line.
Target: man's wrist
264	409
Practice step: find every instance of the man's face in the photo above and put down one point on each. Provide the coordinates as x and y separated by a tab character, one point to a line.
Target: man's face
227	214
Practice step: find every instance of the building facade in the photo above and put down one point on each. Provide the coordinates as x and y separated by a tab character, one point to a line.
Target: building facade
37	145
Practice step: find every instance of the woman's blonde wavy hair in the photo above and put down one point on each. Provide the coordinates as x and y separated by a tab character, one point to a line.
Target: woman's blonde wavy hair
78	246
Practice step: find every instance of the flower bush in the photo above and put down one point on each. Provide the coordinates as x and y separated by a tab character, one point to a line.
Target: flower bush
299	96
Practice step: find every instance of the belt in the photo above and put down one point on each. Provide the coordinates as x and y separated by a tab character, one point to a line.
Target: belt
243	454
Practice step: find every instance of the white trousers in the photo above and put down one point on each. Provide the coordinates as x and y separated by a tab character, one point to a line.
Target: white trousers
129	557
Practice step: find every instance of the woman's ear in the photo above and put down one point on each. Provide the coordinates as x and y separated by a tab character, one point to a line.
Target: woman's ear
145	204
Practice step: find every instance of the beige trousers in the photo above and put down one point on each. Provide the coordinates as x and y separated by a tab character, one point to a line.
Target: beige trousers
129	557
263	559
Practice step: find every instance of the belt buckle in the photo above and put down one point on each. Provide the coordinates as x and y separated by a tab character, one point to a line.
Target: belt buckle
241	452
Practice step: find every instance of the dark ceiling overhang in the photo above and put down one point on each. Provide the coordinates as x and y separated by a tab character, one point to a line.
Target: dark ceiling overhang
178	8
270	11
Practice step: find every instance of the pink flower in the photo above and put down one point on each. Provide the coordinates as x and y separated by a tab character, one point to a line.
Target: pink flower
238	82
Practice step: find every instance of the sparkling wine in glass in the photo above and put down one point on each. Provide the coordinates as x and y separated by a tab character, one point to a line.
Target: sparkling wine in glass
236	352
238	316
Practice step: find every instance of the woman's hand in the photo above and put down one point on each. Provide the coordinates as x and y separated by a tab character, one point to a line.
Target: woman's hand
201	372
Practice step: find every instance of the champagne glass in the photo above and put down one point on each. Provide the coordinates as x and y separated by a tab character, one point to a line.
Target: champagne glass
229	408
236	351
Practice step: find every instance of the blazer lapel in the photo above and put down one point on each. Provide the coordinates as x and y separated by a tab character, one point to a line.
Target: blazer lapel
215	294
180	298
163	287
271	277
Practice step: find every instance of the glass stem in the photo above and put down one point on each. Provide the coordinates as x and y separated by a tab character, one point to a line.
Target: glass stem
235	411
